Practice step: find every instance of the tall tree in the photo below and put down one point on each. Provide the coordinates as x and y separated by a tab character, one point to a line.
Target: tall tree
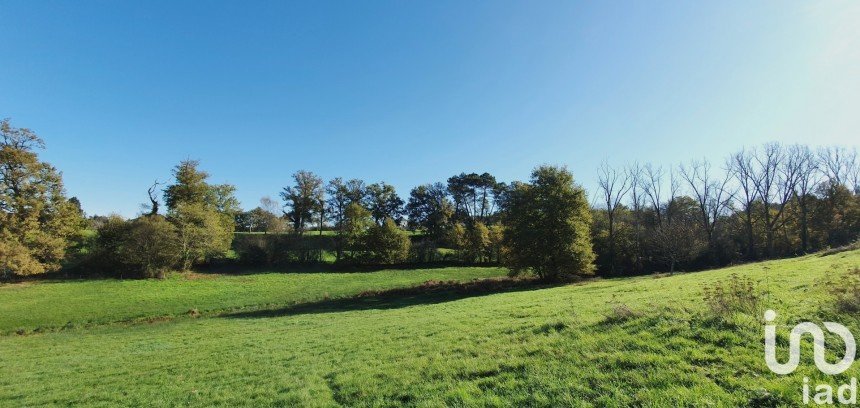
838	163
637	203
430	209
475	195
383	202
744	173
189	187
37	221
712	197
774	186
548	226
340	196
807	182
304	199
203	214
613	186
655	190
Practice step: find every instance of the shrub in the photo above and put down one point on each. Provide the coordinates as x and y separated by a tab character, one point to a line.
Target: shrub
150	246
387	243
737	294
146	246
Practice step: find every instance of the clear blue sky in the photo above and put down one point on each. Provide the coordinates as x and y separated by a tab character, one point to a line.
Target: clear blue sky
413	92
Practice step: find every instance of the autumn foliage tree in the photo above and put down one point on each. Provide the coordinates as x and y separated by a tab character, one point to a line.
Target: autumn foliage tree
38	221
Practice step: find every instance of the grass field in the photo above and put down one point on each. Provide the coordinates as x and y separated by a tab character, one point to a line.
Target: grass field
643	341
49	306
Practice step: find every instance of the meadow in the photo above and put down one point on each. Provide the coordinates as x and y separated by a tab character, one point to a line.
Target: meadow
645	341
48	306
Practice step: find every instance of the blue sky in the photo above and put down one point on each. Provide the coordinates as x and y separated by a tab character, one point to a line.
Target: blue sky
413	92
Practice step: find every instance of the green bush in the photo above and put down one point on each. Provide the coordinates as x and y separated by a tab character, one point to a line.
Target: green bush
147	246
387	243
150	246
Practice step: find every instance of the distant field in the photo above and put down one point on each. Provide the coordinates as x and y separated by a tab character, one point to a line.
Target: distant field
558	346
52	305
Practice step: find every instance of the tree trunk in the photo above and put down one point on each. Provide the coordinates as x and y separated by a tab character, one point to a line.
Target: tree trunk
804	227
611	244
750	236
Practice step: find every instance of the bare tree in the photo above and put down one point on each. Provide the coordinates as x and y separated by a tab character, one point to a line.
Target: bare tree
808	177
153	198
741	167
834	162
652	187
614	185
637	202
270	205
711	194
774	185
852	171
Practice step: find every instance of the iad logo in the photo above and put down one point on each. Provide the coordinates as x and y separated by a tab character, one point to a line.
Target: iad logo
824	393
818	346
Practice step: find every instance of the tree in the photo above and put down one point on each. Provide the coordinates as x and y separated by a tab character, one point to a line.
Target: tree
837	214
305	199
774	184
37	221
224	200
353	231
637	203
275	220
190	186
258	220
840	165
203	214
201	234
477	241
341	195
475	195
807	182
678	241
613	186
383	202
496	236
547	226
154	204
387	243
741	165
430	209
712	198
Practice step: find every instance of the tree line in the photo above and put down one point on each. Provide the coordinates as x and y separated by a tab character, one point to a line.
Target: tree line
766	202
770	201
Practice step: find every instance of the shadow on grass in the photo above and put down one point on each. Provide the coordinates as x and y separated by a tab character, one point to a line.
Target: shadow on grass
430	292
325	267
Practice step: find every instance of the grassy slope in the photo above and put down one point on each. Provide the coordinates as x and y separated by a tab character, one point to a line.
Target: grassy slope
38	306
544	347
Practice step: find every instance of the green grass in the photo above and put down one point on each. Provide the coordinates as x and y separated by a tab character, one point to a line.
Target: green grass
556	346
42	306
